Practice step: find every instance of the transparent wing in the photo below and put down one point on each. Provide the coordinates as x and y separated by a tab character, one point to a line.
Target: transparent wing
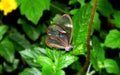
59	32
66	22
55	42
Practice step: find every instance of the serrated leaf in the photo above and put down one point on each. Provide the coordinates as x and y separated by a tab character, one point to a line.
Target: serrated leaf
81	25
49	70
116	19
113	39
30	71
10	68
3	29
30	54
32	32
33	9
44	61
111	66
65	60
20	42
7	50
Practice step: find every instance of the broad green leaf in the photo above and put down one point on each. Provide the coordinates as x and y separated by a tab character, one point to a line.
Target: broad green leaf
111	66
97	54
49	70
80	26
19	40
30	71
104	7
32	32
113	39
7	50
33	9
3	29
116	20
30	54
65	60
44	61
10	68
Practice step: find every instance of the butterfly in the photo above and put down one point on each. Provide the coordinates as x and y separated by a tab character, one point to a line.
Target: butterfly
60	33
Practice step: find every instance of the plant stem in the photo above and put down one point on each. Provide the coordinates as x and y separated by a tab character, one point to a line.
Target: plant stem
59	9
88	39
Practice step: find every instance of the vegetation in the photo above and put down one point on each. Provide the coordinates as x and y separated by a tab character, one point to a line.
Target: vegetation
23	26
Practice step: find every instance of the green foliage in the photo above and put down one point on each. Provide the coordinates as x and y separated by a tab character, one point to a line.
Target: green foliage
113	39
34	9
23	50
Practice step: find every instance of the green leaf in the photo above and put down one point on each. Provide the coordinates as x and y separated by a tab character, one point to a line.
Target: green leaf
116	20
96	23
49	70
81	26
104	7
97	54
10	68
82	2
44	61
65	60
72	1
113	39
19	40
3	29
33	9
32	32
54	54
30	54
30	71
111	66
7	50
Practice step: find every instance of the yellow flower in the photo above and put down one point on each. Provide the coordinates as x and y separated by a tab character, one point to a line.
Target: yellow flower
8	6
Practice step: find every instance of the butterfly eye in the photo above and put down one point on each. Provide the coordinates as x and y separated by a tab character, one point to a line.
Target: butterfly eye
60	33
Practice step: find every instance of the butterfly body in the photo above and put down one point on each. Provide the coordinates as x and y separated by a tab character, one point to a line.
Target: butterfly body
60	33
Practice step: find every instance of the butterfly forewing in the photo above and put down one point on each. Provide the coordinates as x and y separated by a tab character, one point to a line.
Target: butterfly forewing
60	33
66	22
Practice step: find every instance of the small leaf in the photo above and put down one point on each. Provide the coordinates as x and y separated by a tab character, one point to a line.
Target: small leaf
3	29
33	9
10	68
7	50
113	39
30	71
65	60
111	66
